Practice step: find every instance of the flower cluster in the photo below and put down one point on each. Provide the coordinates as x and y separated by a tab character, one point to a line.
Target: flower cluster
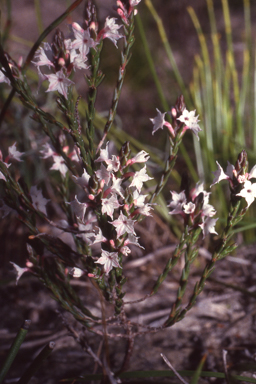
125	8
65	55
12	71
194	207
58	161
189	119
239	178
38	202
117	201
113	201
13	154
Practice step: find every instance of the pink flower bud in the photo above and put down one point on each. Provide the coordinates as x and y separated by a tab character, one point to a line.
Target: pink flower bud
20	62
66	148
61	62
112	243
29	264
174	112
93	26
126	207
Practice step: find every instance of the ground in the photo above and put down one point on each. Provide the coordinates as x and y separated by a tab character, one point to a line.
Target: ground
223	318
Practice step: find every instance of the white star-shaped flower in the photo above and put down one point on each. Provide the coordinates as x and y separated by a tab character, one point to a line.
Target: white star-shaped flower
59	165
189	208
208	210
125	250
113	164
83	180
199	188
38	201
138	200
47	151
104	154
230	170
78	208
109	260
248	192
42	58
110	30
116	186
177	203
85	231
141	157
123	225
133	3
109	205
83	40
99	238
14	154
145	210
158	121
103	174
76	272
190	120
131	239
59	82
208	226
139	178
77	59
219	175
19	271
252	174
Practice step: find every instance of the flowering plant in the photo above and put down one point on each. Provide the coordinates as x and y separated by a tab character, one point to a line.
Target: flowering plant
111	195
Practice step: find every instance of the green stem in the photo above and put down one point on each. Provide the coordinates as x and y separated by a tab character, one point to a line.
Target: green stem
169	165
125	57
170	264
14	349
94	82
39	16
222	249
190	255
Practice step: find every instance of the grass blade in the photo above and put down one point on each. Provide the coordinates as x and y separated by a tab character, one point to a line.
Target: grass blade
168	50
14	349
197	373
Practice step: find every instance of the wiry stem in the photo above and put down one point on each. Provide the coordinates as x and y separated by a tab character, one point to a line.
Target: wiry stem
222	250
94	81
125	57
171	263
